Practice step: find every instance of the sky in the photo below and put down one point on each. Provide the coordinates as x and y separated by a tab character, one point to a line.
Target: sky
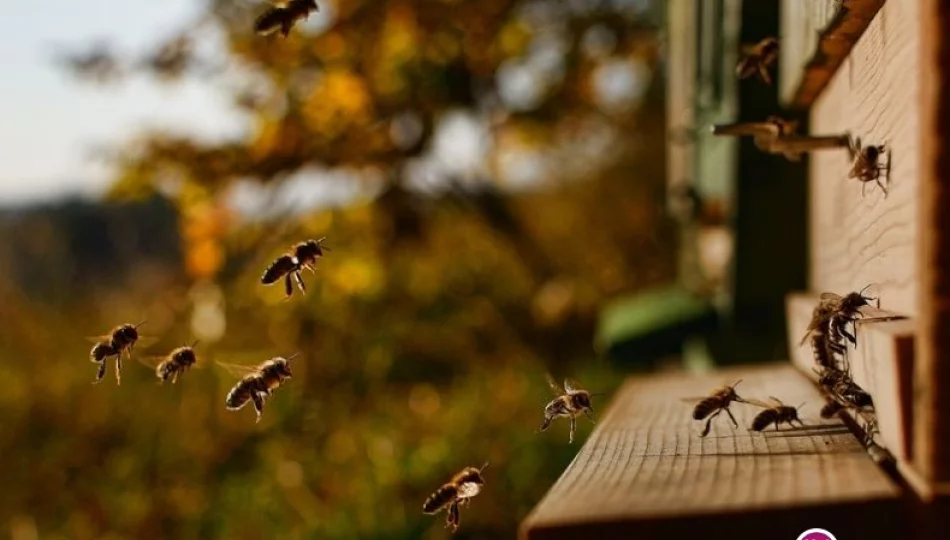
51	121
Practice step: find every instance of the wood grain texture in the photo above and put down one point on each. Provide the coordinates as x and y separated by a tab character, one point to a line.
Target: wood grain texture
825	31
932	374
875	95
881	363
645	472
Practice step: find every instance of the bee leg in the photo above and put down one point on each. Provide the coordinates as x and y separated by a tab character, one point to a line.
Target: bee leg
174	377
545	424
764	72
884	189
452	519
733	418
709	423
863	184
258	405
299	280
776	425
589	417
573	426
118	369
100	373
288	287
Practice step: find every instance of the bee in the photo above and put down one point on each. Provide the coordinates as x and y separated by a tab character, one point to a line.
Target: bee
569	402
776	414
847	310
457	491
831	407
711	406
303	255
282	16
120	340
175	363
257	383
758	58
866	164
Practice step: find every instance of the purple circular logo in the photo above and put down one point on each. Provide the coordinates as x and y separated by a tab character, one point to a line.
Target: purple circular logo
816	534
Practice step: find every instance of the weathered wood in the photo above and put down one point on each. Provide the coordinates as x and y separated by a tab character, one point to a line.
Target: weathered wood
855	239
824	32
645	472
932	373
881	364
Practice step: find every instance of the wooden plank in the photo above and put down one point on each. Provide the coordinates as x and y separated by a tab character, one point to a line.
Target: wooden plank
881	364
855	239
827	29
645	472
932	373
802	22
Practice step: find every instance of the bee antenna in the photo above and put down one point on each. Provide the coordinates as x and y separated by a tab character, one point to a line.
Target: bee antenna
141	323
595	394
485	466
291	357
868	286
735	384
800	406
195	344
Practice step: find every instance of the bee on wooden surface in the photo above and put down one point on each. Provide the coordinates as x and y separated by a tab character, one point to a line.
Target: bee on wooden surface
174	364
712	406
257	383
303	256
457	491
866	164
282	16
120	340
831	407
776	414
570	401
757	59
847	310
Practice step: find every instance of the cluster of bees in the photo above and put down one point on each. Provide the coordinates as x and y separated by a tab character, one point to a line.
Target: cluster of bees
258	383
776	135
829	333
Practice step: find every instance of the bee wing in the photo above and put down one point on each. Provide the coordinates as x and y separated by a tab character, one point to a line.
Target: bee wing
237	370
829	297
694	399
758	403
98	339
776	400
555	387
151	361
571	385
146	341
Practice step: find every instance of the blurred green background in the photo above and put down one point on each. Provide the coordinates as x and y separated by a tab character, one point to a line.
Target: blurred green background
489	174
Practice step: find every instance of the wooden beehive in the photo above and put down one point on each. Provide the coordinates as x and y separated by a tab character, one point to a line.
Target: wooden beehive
879	70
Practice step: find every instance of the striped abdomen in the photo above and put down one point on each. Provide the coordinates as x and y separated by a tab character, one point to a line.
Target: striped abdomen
278	269
764	419
241	393
707	406
101	351
440	499
166	369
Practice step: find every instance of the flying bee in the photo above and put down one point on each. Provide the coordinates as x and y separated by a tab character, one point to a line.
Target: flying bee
257	382
866	164
174	364
570	401
711	406
757	59
457	491
775	414
120	340
282	16
303	256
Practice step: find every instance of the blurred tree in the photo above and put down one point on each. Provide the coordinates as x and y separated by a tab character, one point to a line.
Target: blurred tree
502	165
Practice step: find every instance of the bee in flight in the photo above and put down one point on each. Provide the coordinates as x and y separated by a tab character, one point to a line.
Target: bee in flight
570	401
711	406
174	364
257	382
303	255
282	16
457	491
757	59
776	413
866	164
120	340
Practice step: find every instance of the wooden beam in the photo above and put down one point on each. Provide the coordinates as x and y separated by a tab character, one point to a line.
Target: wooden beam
834	43
881	364
645	472
932	374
